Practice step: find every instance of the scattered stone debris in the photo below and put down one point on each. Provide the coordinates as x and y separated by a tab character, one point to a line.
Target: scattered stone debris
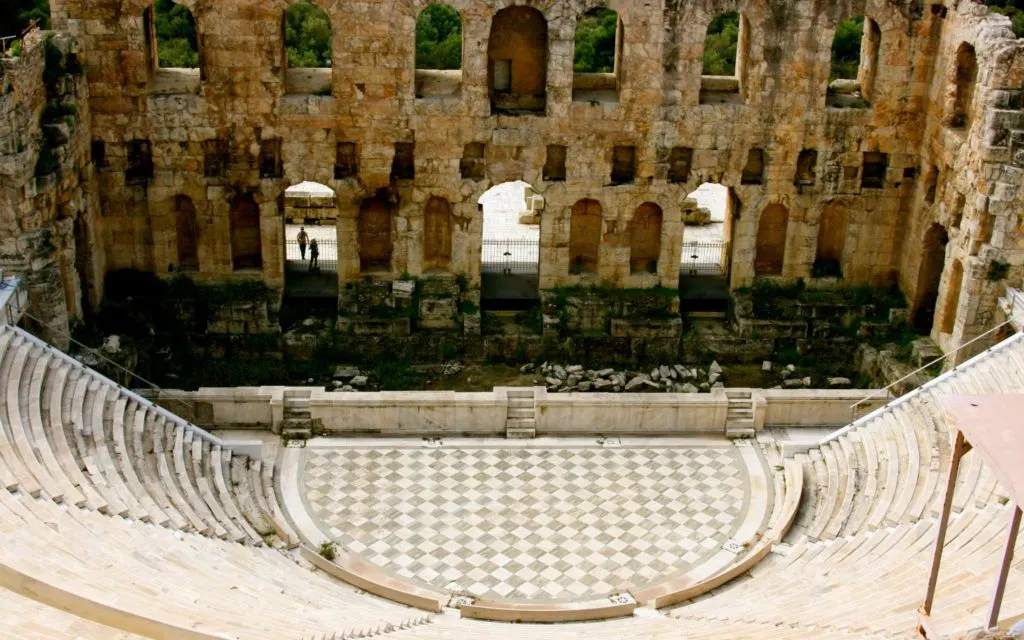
358	381
112	344
346	373
674	378
451	368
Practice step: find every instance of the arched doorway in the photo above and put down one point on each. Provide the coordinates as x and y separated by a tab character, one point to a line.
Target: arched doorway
311	219
929	276
375	244
584	237
645	239
246	241
517	60
952	304
437	235
510	247
832	228
186	233
706	256
770	250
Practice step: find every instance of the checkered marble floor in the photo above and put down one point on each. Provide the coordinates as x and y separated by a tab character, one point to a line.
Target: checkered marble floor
526	524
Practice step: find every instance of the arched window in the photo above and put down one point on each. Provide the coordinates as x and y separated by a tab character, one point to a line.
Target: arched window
724	62
246	242
597	56
584	236
828	261
172	48
308	49
952	304
770	251
645	239
965	76
187	233
929	276
517	60
437	234
855	51
438	51
374	235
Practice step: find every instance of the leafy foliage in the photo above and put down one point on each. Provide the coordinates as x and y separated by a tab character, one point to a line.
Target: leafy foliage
595	41
721	44
1014	9
438	38
177	45
307	35
15	15
846	49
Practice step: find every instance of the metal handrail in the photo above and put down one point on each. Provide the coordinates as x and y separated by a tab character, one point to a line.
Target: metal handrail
877	392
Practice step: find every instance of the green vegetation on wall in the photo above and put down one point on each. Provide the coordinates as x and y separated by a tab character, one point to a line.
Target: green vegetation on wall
1014	9
15	15
846	49
177	46
595	42
721	44
438	38
307	35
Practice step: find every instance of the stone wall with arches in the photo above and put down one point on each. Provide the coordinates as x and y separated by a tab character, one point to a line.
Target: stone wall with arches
370	135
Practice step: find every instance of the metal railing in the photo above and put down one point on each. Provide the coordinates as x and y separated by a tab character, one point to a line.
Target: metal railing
891	385
510	257
327	258
707	258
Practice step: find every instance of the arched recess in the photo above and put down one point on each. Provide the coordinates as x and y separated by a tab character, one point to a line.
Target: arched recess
832	229
437	235
517	60
770	251
965	78
724	61
645	239
307	50
375	244
856	47
952	303
597	56
246	241
438	51
173	48
584	236
929	275
186	233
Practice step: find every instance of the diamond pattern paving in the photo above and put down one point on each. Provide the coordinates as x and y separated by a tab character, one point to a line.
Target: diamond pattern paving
528	523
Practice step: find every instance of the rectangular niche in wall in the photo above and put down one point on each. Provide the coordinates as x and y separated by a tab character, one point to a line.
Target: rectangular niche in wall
753	172
872	175
403	166
98	151
139	166
623	165
271	165
215	158
805	165
680	160
554	163
473	166
346	164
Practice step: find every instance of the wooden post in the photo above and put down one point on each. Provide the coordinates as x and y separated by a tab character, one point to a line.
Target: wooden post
1004	568
959	448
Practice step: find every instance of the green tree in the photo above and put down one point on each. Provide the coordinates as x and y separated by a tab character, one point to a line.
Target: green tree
846	49
16	15
176	41
595	41
721	44
1014	9
307	35
438	38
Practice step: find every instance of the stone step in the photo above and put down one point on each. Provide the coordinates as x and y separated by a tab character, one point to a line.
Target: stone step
520	423
520	393
520	412
520	433
738	394
522	402
737	431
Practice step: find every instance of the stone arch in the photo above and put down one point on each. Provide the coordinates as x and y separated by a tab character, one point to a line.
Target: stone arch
724	75
448	55
585	236
929	276
517	60
437	234
832	229
246	242
307	48
965	78
597	55
856	46
172	36
186	233
645	238
770	251
374	232
952	302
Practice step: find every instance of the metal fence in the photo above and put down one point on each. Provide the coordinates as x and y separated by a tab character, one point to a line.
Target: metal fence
327	260
510	257
705	259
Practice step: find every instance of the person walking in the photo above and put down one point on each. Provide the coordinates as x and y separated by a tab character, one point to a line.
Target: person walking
314	253
303	240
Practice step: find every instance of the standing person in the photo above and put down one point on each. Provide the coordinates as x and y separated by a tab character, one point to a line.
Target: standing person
314	253
303	239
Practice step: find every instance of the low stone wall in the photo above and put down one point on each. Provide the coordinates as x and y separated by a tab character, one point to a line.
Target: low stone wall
483	414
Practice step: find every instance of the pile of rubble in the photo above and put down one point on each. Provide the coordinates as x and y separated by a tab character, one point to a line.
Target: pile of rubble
665	378
349	379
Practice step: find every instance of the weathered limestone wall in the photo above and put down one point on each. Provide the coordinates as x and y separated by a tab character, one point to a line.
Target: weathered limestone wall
48	207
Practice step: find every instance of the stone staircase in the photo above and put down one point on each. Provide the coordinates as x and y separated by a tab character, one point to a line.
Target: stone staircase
521	421
297	422
739	419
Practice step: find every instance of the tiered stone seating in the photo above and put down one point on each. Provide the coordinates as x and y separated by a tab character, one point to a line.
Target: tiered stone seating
27	619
